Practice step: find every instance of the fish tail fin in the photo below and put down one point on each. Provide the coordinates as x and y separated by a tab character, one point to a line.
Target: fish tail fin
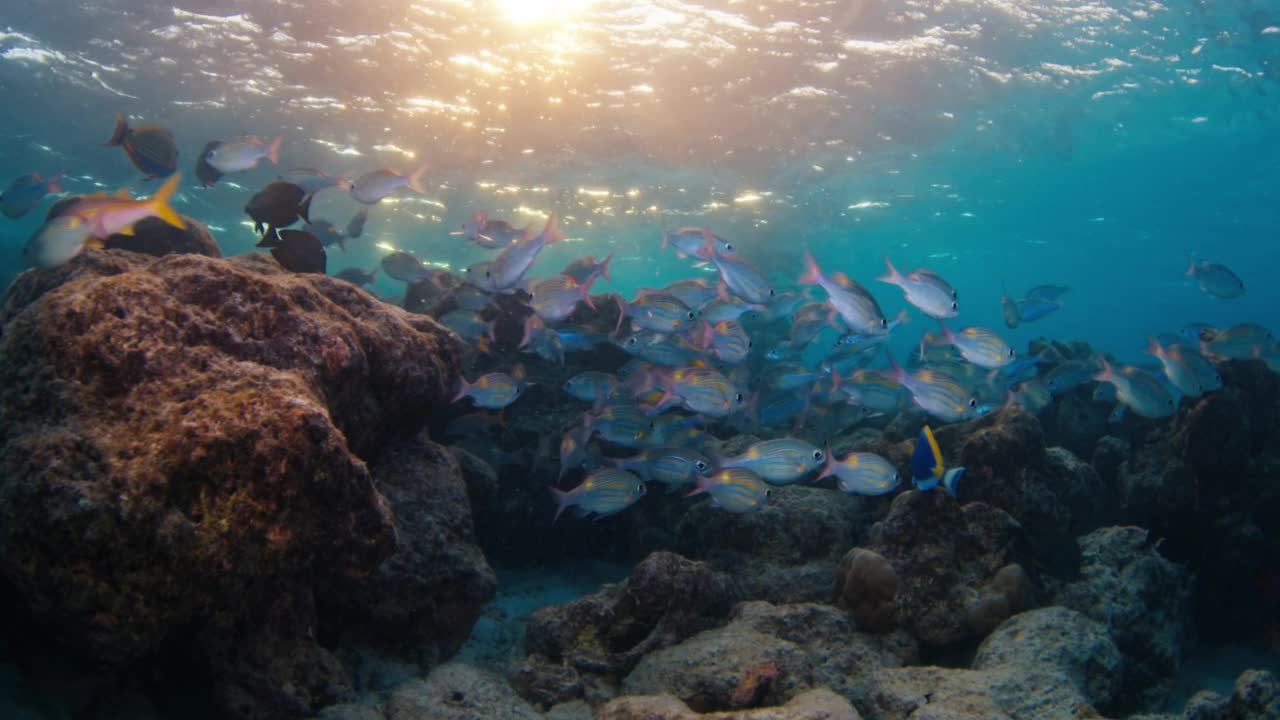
891	275
903	317
705	342
464	387
417	180
304	209
273	150
604	267
1191	265
343	182
1153	347
895	372
1107	374
120	133
835	379
551	231
622	313
829	468
562	501
584	291
159	203
54	184
812	273
529	326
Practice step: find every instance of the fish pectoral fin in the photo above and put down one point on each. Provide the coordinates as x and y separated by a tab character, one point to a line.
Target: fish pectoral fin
95	243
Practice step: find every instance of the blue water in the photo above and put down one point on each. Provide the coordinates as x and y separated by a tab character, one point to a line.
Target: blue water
1003	144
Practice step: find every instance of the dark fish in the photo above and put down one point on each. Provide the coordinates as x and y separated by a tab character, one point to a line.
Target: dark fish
278	205
151	148
357	276
26	192
356	226
207	174
296	250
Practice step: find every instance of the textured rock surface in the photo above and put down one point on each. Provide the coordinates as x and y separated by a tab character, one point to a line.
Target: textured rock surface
1141	598
1053	494
867	586
787	551
942	552
456	691
1040	664
810	705
180	448
798	646
424	600
666	599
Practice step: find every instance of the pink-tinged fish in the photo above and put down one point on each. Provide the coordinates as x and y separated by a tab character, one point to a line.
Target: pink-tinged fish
605	492
736	490
1138	391
112	214
372	187
493	391
514	261
851	301
586	268
925	289
1179	372
657	311
556	297
244	154
738	276
727	340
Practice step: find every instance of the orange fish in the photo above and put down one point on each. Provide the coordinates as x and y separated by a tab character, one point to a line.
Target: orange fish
111	214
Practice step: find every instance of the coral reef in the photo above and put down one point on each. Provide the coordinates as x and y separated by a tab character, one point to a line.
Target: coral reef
181	462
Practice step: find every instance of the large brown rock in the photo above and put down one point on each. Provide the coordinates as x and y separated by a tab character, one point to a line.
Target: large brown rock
182	449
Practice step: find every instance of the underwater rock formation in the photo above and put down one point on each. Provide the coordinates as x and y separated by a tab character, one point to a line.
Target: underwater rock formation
943	552
1141	598
768	654
786	551
1044	663
455	691
1053	494
424	599
818	704
666	599
180	460
867	587
1256	696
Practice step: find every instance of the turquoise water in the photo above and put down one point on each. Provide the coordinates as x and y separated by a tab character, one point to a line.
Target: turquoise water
1003	144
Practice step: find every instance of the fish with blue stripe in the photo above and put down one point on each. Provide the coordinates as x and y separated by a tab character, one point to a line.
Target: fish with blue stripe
735	490
780	460
605	492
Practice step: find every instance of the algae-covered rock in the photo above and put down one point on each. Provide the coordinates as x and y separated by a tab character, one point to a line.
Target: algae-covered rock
867	587
181	453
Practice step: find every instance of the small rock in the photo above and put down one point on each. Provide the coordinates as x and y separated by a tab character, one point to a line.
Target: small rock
867	587
455	691
819	704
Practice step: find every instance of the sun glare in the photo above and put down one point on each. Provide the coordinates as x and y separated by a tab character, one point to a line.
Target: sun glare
540	11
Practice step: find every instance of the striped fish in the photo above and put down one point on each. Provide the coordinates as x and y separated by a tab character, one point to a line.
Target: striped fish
671	466
1138	391
780	460
862	473
493	391
693	292
924	289
870	389
851	301
604	492
938	394
736	490
573	449
742	279
704	391
660	349
728	341
691	241
979	346
728	309
622	425
556	297
592	386
657	311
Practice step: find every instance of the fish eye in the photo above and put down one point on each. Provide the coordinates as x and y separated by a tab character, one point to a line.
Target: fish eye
748	344
771	292
1010	352
973	402
955	306
767	493
884	322
817	454
738	397
631	341
728	247
690	315
701	466
651	425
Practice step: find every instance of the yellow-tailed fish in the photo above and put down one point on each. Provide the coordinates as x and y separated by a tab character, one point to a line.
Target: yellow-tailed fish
927	467
111	214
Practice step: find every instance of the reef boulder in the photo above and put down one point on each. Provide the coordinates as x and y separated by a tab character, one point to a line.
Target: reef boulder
1141	598
181	458
943	553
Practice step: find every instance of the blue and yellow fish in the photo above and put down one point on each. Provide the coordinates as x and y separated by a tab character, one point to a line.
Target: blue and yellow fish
927	468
